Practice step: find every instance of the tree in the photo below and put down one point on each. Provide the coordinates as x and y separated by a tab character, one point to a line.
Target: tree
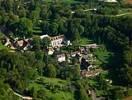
102	82
41	95
35	14
45	12
6	93
129	92
128	57
62	25
45	43
127	75
21	12
8	5
23	28
117	93
50	71
39	55
75	30
36	43
53	28
82	94
77	72
39	64
45	26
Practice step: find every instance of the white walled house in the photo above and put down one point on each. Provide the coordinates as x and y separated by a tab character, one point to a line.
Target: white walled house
57	41
44	36
61	57
50	51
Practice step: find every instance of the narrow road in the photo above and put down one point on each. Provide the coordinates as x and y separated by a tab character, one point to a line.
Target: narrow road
118	15
93	95
21	96
123	14
94	9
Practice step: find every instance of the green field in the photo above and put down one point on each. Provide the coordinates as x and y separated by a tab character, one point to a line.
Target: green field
53	88
2	46
85	41
103	55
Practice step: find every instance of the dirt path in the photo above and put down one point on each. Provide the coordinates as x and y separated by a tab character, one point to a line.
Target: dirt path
123	14
118	15
21	96
93	95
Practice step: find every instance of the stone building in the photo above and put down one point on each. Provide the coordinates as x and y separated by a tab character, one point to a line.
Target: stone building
57	41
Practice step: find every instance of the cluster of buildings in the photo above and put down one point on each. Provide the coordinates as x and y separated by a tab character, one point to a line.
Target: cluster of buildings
25	44
84	57
56	42
14	44
82	54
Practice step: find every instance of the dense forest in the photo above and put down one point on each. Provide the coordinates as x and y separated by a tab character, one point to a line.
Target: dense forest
22	71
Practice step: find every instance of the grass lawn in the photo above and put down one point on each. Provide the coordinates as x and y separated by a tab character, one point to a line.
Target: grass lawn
100	92
92	82
102	55
85	41
53	88
53	81
2	46
37	30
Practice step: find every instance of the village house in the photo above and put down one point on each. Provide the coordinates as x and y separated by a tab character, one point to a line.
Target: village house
73	54
24	44
85	73
67	56
57	41
50	51
61	57
8	43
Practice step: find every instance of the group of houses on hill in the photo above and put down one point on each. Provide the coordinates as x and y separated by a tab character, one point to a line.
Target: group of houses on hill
82	52
84	57
25	44
21	44
56	42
